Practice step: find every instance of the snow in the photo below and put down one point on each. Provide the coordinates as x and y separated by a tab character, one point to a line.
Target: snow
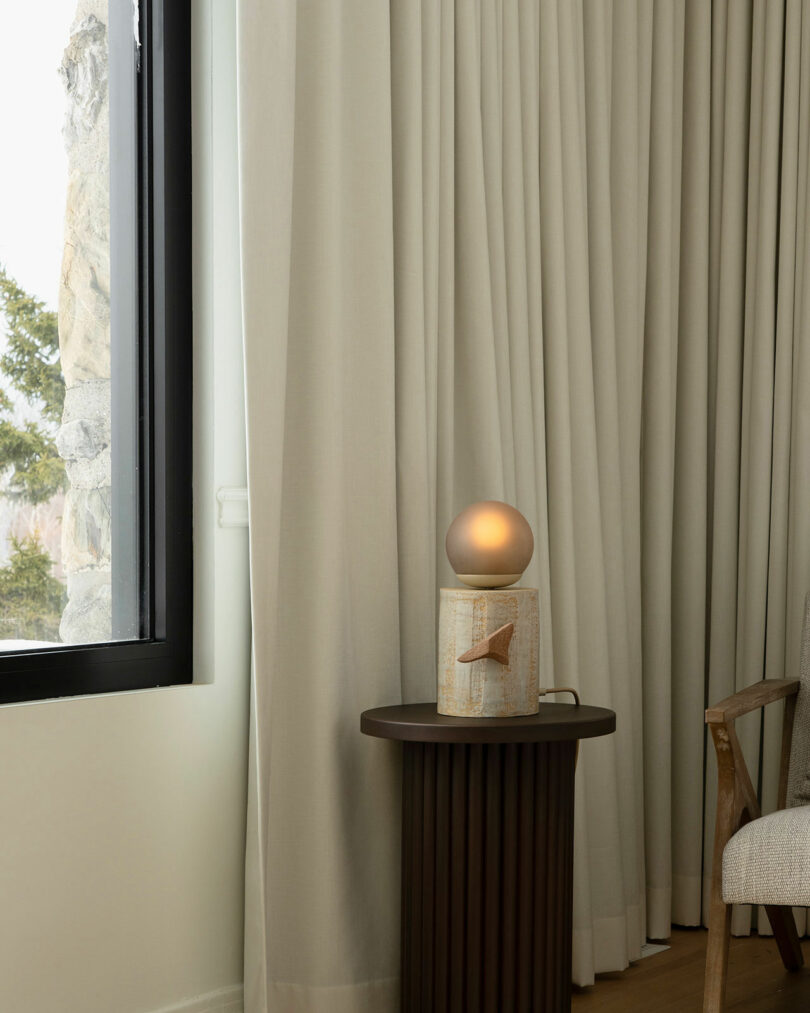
26	645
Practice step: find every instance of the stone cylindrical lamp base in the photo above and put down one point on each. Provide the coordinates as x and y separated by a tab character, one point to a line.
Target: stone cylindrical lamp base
486	687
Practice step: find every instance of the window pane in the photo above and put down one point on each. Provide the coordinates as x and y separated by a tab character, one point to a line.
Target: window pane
68	326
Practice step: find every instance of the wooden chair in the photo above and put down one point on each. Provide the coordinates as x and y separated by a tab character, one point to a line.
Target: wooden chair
760	860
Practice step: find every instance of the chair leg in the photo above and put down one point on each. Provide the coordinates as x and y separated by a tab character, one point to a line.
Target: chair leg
786	936
714	992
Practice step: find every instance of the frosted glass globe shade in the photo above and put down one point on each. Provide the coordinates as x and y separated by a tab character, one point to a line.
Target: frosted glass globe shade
489	544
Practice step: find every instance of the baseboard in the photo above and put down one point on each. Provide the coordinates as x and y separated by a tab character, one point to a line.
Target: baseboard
224	1000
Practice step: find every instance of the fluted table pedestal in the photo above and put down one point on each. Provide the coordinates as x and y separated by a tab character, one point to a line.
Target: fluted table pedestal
487	855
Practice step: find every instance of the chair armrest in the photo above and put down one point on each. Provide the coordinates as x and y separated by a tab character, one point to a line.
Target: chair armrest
750	699
737	798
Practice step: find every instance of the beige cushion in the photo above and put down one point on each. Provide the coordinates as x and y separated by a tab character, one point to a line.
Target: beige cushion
768	860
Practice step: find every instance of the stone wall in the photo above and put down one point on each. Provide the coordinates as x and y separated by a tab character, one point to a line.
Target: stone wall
84	331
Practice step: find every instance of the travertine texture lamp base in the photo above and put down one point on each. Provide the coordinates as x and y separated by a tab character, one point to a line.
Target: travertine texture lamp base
486	687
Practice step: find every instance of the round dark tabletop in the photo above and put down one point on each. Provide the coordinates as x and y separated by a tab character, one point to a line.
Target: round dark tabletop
419	722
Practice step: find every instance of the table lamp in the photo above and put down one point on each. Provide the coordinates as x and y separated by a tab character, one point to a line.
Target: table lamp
488	631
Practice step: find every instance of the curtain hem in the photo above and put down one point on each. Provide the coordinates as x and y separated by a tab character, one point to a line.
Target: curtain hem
610	944
381	996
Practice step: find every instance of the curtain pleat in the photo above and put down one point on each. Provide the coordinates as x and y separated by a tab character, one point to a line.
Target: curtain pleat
544	251
659	387
690	474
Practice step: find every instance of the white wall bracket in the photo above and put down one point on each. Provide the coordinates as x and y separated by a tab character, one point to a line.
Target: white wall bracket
233	507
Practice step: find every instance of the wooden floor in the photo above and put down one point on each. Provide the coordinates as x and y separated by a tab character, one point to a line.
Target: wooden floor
672	982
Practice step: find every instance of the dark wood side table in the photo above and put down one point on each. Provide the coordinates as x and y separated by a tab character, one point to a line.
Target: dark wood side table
487	855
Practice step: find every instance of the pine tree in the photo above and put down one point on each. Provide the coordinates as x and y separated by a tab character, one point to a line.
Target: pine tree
31	600
31	365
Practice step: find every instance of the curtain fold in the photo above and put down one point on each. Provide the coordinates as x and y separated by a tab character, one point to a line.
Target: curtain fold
322	863
541	251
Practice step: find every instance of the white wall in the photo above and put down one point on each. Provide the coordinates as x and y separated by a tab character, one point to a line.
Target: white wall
122	816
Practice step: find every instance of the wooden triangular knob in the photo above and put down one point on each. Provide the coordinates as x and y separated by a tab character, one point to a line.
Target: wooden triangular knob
495	646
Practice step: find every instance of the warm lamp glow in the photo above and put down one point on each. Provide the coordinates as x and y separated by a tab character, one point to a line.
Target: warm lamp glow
489	544
489	530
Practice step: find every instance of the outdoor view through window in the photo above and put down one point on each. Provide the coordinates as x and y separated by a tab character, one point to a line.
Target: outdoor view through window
56	435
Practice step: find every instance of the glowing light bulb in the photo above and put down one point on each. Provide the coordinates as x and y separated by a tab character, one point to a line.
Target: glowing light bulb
489	544
489	530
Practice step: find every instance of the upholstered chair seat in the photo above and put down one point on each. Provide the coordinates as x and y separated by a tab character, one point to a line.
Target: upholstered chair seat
768	860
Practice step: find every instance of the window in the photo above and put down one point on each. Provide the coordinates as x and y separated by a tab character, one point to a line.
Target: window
95	347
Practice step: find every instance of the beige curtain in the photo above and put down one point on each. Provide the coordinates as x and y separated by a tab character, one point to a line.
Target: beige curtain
317	267
538	251
759	366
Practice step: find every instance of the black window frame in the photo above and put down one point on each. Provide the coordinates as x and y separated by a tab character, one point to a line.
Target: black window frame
163	482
